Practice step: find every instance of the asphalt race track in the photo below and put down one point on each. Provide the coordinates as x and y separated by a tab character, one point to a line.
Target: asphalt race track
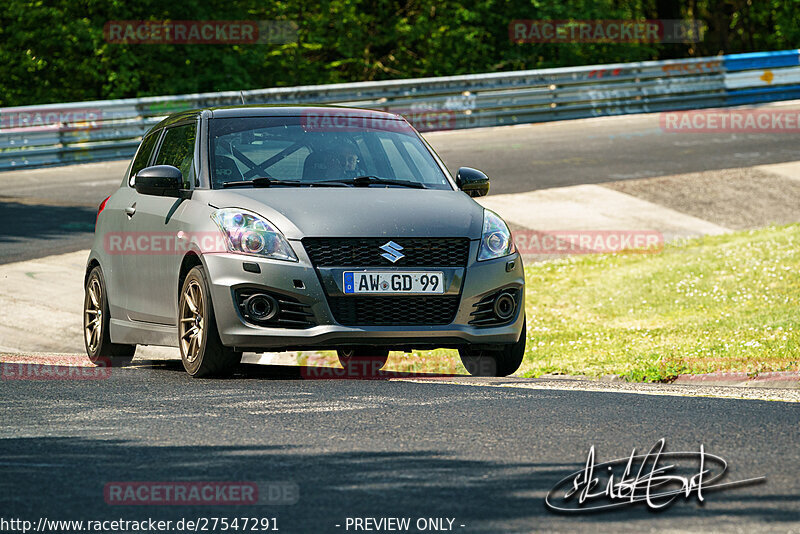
51	211
485	456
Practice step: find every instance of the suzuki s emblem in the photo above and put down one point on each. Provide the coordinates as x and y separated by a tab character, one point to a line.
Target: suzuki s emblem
392	253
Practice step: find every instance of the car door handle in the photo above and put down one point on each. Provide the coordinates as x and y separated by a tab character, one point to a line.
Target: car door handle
130	210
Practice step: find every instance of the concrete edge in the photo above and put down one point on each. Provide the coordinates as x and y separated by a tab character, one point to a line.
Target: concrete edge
772	379
698	390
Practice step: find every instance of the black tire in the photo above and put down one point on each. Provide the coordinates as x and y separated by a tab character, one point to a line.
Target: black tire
207	357
96	319
501	362
362	361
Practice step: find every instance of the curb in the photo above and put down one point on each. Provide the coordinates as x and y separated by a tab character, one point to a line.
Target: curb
774	379
46	358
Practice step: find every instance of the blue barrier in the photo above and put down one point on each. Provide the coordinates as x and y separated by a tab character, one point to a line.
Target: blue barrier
761	60
762	95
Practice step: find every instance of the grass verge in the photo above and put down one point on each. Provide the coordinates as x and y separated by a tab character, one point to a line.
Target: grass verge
721	303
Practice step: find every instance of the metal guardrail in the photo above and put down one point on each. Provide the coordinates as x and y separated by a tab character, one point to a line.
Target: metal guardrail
56	134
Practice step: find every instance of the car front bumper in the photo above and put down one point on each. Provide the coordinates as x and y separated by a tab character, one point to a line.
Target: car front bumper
304	283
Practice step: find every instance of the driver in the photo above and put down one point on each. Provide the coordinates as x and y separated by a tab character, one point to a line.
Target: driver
345	160
335	159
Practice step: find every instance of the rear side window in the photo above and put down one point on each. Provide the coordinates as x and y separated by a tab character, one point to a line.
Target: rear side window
143	156
177	150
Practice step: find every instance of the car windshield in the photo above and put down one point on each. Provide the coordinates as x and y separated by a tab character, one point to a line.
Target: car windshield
366	151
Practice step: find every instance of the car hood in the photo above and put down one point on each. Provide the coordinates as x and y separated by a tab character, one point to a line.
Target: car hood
359	212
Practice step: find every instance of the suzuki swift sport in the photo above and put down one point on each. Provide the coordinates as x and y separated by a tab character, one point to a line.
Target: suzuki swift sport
300	228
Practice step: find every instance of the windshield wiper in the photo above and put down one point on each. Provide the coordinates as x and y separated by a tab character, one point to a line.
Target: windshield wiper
263	181
365	181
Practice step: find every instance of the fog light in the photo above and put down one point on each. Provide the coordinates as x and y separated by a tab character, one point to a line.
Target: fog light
261	307
505	306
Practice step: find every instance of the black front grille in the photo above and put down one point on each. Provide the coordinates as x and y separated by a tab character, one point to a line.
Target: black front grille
366	252
400	311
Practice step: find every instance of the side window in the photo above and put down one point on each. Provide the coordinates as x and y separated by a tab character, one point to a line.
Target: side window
143	156
177	150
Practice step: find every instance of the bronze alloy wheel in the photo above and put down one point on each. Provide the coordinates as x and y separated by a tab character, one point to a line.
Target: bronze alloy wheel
96	320
202	351
93	315
192	324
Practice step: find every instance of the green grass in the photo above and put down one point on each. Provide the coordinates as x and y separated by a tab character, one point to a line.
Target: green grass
722	303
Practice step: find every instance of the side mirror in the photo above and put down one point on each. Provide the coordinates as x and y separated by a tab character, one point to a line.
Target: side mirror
473	182
159	180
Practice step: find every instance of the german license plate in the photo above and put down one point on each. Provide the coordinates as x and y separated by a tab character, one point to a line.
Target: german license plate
394	282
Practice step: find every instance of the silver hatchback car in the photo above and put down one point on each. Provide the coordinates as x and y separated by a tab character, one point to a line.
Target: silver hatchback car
300	228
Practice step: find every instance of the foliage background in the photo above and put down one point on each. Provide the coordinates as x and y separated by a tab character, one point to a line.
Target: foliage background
54	51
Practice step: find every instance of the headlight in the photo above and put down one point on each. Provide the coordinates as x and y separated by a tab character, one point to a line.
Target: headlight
247	233
496	241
